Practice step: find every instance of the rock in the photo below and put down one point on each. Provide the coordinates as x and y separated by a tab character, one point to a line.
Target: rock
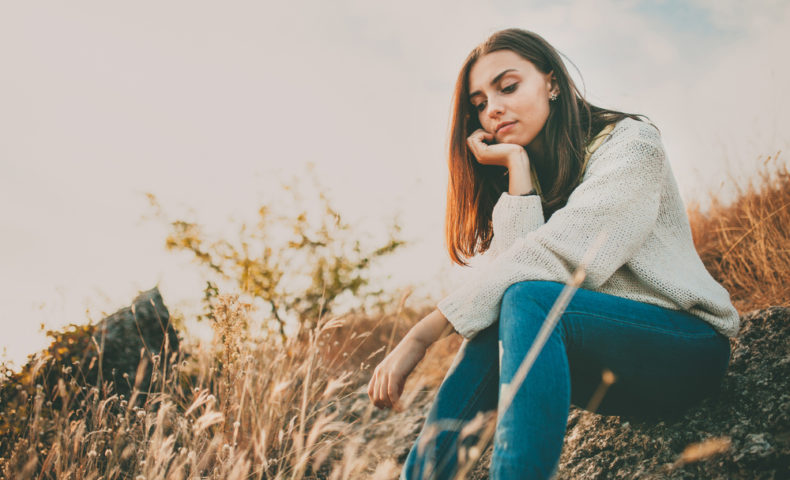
139	333
743	432
751	414
83	357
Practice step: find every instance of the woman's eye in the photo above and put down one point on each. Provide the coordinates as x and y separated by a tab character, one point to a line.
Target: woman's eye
509	89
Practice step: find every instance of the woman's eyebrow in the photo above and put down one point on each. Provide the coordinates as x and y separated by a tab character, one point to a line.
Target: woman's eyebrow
496	79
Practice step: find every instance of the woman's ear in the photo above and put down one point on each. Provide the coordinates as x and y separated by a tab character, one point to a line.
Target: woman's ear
553	86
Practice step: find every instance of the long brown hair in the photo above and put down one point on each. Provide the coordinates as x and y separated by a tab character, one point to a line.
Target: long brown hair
474	188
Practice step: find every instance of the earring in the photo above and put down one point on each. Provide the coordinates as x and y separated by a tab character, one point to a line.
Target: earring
553	97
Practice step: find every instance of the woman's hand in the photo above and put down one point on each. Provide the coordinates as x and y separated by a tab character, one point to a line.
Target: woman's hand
390	375
502	154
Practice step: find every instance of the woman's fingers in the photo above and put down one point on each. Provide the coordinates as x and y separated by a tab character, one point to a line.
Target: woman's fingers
375	389
476	137
475	140
492	153
383	395
389	377
393	391
477	145
480	133
383	390
371	388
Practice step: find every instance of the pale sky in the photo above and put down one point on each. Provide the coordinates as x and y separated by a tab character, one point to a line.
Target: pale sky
211	105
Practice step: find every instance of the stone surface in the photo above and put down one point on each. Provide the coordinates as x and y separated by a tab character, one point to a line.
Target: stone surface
746	426
751	413
140	331
84	357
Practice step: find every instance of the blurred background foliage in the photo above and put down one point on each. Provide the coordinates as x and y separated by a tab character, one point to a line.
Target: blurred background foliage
296	265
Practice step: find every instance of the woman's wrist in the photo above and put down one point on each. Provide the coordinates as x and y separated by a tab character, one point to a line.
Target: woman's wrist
430	329
519	178
518	161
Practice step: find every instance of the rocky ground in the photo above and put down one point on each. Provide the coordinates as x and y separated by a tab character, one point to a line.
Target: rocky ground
742	433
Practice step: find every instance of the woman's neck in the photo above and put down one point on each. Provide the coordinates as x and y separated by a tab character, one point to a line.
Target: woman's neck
535	150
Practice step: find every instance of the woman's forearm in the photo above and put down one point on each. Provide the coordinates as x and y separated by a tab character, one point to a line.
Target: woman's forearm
431	328
519	178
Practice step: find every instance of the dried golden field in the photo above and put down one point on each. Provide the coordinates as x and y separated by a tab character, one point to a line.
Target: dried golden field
243	408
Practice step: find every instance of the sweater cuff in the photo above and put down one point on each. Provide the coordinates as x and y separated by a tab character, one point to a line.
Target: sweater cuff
453	312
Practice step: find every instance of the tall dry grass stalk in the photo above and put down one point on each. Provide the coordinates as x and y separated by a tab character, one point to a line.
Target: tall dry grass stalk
256	409
745	245
239	408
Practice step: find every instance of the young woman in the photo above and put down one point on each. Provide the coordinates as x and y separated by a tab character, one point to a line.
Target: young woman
537	175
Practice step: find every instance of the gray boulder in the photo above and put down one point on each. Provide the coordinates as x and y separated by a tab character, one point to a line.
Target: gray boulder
135	336
121	349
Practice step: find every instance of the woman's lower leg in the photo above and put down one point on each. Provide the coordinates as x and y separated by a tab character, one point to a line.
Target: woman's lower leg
530	431
470	387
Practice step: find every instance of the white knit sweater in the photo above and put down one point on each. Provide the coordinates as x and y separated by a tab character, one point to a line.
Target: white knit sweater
628	191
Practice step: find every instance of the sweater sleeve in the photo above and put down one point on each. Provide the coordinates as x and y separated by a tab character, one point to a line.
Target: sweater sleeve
513	217
619	196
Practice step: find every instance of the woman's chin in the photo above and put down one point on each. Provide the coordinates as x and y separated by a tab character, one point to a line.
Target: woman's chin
515	140
508	138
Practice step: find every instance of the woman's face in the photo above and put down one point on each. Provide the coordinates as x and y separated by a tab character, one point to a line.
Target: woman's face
510	96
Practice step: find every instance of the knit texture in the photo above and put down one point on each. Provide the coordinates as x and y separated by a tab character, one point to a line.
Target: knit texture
628	192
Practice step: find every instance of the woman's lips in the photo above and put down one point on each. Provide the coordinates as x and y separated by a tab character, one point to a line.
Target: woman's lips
506	128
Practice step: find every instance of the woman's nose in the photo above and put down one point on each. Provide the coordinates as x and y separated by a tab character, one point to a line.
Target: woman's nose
495	108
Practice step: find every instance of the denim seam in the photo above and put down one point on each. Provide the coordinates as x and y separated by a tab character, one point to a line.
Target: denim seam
644	327
442	449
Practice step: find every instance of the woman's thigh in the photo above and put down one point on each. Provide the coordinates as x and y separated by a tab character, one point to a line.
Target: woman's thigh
663	360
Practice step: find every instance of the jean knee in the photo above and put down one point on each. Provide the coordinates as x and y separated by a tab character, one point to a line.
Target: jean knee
524	308
539	292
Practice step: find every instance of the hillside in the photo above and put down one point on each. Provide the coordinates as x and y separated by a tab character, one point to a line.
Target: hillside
245	407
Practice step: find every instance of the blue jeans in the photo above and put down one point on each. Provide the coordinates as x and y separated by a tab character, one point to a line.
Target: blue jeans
663	360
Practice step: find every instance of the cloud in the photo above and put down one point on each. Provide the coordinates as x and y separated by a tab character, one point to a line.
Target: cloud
209	105
749	16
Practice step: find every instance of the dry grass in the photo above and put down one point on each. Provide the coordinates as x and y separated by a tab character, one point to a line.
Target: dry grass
745	245
243	408
238	408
